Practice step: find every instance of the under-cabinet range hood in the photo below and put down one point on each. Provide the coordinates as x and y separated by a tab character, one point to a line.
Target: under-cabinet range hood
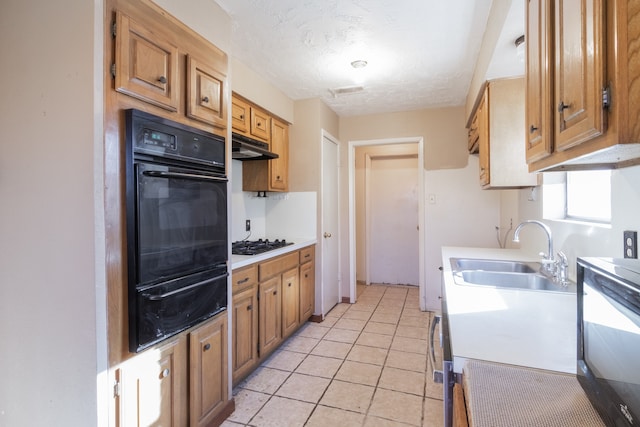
244	148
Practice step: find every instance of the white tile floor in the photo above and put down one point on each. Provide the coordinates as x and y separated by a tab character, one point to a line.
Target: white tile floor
366	364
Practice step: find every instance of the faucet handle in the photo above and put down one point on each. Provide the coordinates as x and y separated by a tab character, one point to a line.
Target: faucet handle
563	258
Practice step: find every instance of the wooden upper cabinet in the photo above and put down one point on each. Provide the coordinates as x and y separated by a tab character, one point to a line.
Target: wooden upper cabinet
482	119
279	168
260	125
240	115
579	72
582	73
146	65
538	123
205	93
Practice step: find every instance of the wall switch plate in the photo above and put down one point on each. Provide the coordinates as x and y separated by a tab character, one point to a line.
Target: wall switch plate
630	244
247	225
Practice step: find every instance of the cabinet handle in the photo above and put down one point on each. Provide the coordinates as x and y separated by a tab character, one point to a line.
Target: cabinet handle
532	129
249	307
562	106
162	79
165	373
207	346
245	280
205	99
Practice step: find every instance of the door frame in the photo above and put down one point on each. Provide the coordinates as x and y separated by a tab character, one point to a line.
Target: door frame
352	213
320	221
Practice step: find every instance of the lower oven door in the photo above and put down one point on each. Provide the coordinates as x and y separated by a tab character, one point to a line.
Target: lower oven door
165	309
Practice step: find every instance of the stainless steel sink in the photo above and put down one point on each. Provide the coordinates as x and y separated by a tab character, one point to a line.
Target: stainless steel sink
459	264
504	274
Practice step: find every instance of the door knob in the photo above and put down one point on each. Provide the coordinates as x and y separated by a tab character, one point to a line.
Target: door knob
327	235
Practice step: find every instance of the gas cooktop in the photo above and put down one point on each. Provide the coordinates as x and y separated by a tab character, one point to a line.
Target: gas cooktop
254	247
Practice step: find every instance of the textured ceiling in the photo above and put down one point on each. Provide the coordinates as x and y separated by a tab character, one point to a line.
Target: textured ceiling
420	53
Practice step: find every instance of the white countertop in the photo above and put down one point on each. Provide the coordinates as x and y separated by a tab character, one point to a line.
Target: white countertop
238	261
520	327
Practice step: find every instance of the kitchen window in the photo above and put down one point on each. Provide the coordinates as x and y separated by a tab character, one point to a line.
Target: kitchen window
582	196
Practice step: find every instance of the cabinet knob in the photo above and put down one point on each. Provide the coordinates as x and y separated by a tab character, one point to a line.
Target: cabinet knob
306	275
327	235
278	178
532	129
165	373
162	79
207	346
241	116
205	99
249	307
562	106
289	284
275	292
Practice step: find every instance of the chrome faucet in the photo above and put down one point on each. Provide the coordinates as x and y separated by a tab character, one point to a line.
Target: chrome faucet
548	260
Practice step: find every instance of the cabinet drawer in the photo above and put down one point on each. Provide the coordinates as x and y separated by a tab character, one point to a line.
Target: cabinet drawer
275	266
243	278
306	254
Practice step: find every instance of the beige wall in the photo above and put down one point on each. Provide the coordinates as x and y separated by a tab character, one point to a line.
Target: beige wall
52	301
443	129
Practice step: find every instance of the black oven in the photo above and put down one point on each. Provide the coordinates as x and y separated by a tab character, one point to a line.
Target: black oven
609	337
177	237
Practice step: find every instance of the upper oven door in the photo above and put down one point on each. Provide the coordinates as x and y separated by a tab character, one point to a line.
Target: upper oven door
179	224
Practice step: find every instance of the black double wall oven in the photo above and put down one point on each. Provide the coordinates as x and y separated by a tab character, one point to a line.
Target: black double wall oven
177	236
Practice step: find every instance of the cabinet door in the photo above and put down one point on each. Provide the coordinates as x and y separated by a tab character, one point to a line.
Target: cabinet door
483	138
290	301
208	371
279	168
270	327
240	115
260	125
153	387
205	93
579	72
245	332
538	123
146	64
307	290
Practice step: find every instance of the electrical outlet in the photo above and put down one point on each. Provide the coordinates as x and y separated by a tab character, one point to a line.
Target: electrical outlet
247	225
630	244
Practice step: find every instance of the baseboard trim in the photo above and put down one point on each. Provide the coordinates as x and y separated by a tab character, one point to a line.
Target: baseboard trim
228	409
316	318
346	300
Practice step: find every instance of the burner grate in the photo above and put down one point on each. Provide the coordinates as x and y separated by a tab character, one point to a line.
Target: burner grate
255	247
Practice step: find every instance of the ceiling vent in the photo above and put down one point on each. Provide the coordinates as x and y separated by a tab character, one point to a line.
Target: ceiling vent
345	90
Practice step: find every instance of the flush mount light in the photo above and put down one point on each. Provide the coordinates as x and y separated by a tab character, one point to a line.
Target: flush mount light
359	63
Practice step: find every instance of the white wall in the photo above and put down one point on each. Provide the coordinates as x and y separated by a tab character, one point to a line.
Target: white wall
463	215
53	338
578	240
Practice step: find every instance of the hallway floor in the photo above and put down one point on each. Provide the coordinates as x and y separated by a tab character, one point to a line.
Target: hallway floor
366	364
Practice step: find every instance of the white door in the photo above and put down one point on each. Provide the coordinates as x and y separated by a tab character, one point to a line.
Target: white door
330	283
393	214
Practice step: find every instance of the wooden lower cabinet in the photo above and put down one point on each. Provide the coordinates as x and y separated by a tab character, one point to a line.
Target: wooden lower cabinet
459	407
290	301
181	383
270	304
151	388
245	332
307	284
208	373
271	300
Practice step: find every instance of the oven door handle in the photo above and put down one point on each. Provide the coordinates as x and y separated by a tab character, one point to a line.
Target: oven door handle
436	373
164	174
177	291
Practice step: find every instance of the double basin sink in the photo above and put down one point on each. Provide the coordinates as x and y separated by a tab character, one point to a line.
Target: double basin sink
504	274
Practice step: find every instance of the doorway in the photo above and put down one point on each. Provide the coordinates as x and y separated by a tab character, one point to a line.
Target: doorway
419	141
389	246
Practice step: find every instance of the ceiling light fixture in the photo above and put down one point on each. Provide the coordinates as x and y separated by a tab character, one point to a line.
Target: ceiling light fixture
359	63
